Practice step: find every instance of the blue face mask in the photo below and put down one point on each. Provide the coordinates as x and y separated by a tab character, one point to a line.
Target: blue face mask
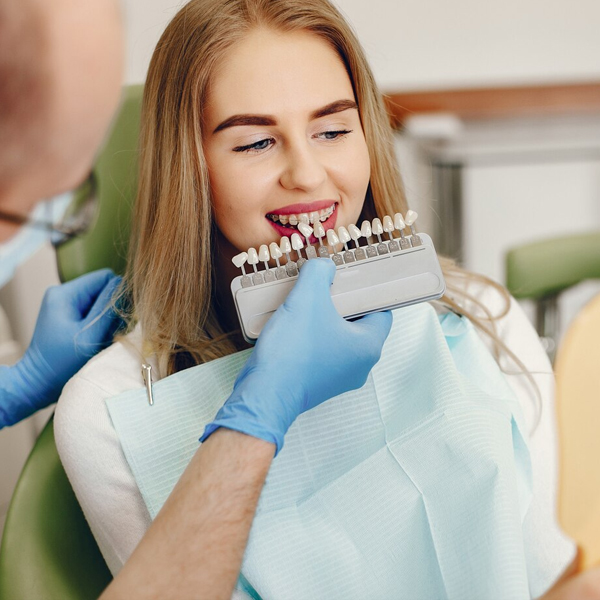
28	240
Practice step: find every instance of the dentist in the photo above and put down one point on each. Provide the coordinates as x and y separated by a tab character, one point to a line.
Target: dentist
56	102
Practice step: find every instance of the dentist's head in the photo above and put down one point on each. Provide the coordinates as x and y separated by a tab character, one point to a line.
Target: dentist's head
61	69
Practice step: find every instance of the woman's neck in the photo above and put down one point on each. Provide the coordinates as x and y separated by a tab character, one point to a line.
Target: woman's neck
224	272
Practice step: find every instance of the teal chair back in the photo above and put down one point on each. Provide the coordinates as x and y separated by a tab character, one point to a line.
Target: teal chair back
541	271
105	244
48	551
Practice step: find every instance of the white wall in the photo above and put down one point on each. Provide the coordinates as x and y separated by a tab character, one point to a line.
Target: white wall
419	44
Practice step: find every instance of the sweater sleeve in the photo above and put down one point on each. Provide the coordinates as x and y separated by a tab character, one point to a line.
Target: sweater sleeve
98	471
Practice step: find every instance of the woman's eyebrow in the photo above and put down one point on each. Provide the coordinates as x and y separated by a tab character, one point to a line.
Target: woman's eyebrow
334	107
268	120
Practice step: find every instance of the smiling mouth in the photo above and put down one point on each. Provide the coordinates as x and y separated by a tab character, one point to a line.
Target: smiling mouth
291	221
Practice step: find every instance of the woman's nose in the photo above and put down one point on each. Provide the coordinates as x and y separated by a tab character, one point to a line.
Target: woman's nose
303	170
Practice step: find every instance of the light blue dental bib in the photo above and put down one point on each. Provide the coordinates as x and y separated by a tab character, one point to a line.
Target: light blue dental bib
414	486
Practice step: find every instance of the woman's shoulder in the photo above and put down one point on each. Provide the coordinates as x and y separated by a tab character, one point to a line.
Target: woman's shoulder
112	371
81	418
91	454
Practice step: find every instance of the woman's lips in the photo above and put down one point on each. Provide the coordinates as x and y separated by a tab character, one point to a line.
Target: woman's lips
287	231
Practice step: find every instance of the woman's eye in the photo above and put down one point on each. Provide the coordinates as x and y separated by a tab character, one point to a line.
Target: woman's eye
334	135
256	147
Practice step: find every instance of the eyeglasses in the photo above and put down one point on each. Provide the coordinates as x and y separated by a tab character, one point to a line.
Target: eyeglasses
77	219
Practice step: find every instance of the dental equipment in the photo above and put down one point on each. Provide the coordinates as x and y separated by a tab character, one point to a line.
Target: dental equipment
389	274
365	229
399	224
264	256
319	232
276	254
344	237
388	227
411	217
297	245
333	240
147	377
355	234
306	230
377	229
290	266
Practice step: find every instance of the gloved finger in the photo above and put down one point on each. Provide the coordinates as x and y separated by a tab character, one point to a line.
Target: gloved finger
376	326
82	292
314	281
102	302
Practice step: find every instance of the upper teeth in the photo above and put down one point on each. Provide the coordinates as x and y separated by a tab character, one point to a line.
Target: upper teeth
320	215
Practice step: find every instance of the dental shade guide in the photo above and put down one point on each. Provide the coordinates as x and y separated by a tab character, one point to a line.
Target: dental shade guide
399	224
319	232
365	229
239	261
275	251
290	266
264	256
355	234
344	237
333	240
411	217
306	230
377	229
257	277
388	227
368	278
297	245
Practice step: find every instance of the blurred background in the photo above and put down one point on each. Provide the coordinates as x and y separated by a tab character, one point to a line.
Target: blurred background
497	107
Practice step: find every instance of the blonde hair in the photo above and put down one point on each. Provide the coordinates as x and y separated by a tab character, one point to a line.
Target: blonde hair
170	277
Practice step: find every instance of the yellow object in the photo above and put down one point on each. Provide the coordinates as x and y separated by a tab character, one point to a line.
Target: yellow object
578	408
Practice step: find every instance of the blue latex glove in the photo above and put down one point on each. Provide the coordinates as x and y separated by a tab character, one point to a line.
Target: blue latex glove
306	354
65	338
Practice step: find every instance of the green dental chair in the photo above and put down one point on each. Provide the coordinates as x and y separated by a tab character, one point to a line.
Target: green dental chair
541	271
48	551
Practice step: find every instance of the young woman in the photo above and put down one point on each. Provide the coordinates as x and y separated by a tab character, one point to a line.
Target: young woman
253	110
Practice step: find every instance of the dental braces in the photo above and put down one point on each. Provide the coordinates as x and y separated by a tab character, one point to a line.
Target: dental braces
382	274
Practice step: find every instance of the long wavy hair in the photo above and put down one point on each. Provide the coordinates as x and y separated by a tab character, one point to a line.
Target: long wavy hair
170	278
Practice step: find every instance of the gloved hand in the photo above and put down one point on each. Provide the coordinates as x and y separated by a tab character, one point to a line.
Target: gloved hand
66	336
306	354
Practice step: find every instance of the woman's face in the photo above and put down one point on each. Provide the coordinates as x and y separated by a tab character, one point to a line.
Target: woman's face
282	138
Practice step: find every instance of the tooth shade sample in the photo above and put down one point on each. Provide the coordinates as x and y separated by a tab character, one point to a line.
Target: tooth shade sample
275	250
239	260
365	229
332	238
376	227
285	244
297	243
318	230
263	253
411	217
252	256
343	235
399	221
354	231
304	229
388	224
303	218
